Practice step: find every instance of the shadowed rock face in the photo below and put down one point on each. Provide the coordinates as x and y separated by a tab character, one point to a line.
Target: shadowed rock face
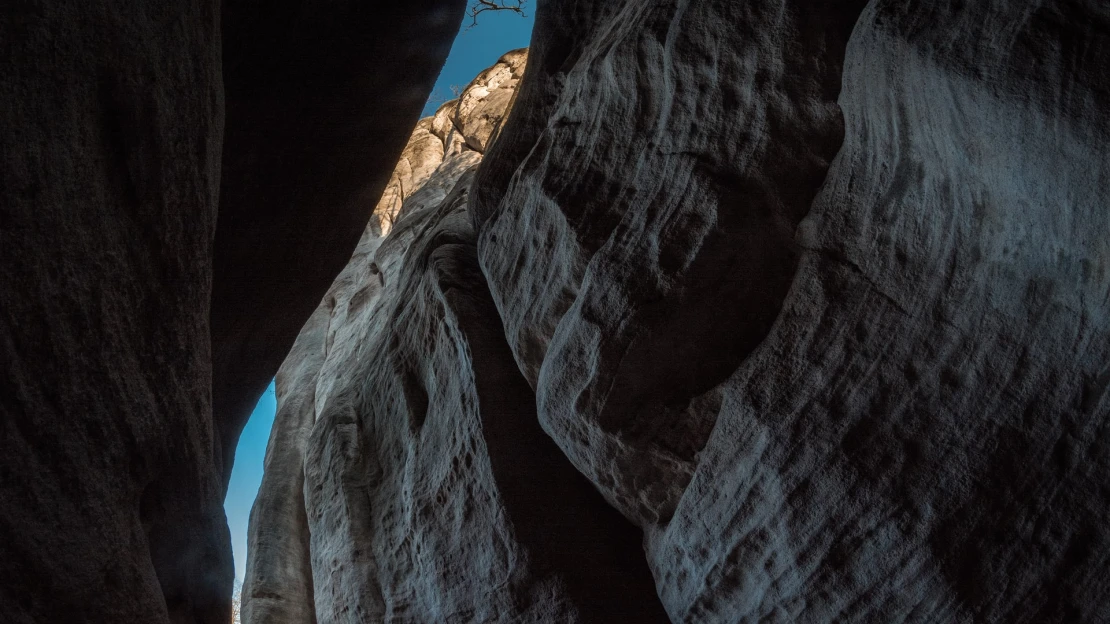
752	311
815	296
145	251
408	478
320	100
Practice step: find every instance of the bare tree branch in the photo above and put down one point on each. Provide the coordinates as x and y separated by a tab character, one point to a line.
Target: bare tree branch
481	6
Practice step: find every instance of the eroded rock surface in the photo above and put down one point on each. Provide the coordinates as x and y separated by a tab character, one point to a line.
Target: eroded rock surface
320	101
815	296
870	391
430	492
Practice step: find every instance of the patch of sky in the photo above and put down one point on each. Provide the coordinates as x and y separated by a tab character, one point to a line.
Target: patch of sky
478	47
246	475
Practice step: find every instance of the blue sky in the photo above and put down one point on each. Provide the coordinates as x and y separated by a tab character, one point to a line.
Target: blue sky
246	475
479	47
474	50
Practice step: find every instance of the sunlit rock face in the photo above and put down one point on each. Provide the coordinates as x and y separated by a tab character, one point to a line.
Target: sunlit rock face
749	311
449	142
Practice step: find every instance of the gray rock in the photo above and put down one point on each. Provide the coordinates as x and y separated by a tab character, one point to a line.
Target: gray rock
906	423
815	296
320	102
749	311
432	494
659	200
157	259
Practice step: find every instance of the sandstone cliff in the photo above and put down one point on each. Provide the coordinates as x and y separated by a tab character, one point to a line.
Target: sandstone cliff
815	296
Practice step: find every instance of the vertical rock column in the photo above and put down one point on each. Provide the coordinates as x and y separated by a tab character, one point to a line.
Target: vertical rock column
136	332
110	130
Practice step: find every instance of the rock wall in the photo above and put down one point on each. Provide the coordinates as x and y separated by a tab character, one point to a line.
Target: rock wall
110	165
814	296
320	101
876	397
752	311
407	477
178	187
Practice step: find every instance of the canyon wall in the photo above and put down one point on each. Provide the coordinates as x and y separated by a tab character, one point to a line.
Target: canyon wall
178	188
762	311
407	478
749	311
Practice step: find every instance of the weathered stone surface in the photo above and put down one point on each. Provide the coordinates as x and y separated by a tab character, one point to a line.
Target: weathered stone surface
458	132
487	100
432	493
815	296
754	311
280	589
421	157
877	396
122	299
662	200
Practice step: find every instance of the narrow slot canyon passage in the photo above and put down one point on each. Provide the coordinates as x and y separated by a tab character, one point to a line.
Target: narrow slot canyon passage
479	44
551	311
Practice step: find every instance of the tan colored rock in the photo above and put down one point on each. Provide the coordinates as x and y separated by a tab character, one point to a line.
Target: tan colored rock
421	157
487	99
459	128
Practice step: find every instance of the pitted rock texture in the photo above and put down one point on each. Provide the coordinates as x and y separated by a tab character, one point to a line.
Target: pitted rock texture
655	201
755	311
815	296
407	469
177	190
874	389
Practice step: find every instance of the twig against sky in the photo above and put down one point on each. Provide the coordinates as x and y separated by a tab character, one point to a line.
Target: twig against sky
481	6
